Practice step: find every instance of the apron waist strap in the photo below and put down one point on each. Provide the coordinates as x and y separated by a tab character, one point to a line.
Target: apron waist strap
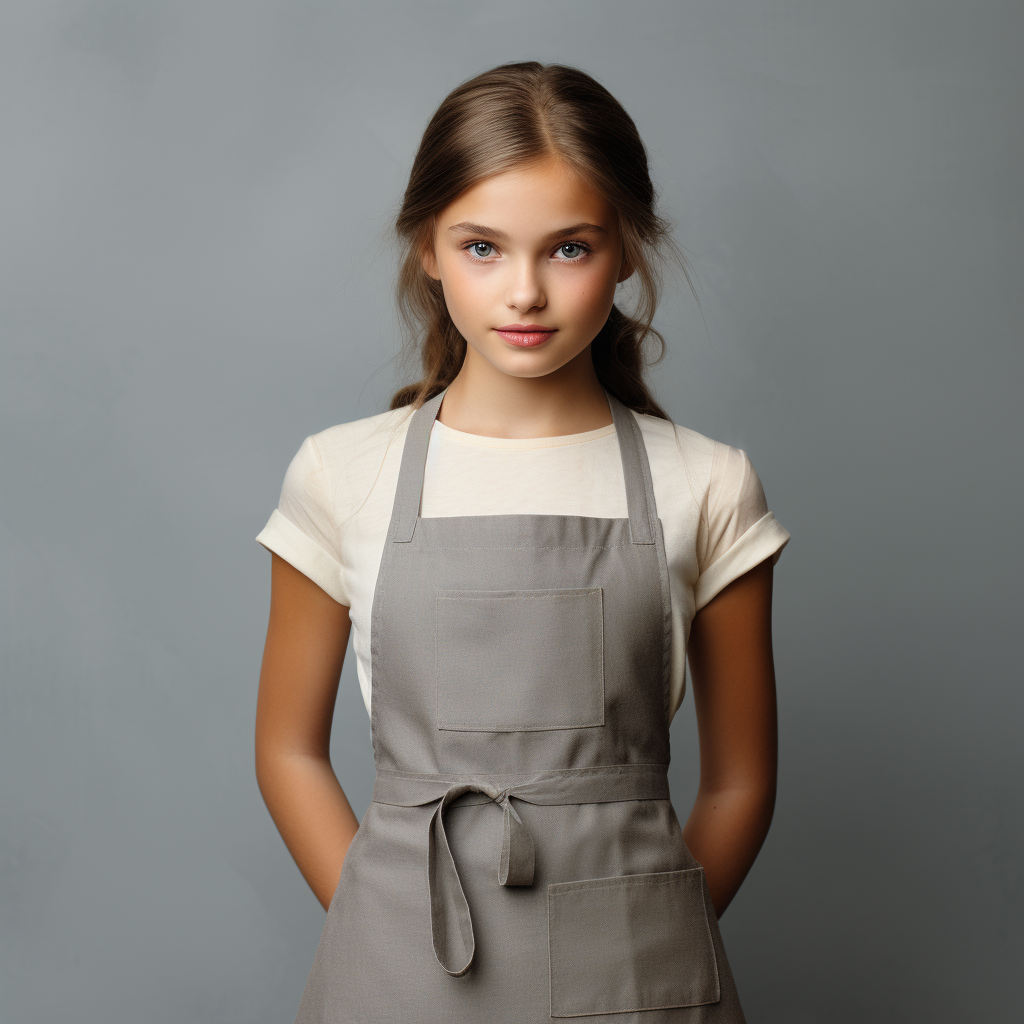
451	926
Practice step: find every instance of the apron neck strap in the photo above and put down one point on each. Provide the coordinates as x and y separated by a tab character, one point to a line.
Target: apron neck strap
636	471
410	474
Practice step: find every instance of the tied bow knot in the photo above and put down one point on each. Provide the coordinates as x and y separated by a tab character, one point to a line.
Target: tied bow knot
451	925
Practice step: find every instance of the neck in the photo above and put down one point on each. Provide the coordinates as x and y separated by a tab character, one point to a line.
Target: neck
483	400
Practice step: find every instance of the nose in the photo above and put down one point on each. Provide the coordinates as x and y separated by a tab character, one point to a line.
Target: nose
525	289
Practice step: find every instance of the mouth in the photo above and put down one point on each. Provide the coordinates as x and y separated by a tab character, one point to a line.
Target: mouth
525	335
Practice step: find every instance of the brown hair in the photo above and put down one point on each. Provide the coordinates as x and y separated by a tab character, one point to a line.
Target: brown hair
505	117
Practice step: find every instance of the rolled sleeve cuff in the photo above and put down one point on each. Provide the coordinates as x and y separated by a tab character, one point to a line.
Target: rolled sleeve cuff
284	538
765	539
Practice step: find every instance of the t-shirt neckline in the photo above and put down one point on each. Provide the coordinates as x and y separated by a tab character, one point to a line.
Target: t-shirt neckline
482	441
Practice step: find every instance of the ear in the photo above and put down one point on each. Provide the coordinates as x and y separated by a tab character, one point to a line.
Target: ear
626	271
428	260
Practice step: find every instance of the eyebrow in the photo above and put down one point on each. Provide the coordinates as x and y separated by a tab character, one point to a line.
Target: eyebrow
480	229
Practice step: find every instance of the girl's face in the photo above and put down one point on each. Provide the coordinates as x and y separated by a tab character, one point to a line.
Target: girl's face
528	261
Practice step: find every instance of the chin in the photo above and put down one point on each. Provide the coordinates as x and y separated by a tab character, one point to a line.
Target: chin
534	365
526	362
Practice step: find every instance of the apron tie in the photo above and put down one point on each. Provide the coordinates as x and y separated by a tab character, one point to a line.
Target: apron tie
451	926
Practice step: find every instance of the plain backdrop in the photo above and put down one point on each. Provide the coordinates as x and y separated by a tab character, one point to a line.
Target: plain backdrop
195	200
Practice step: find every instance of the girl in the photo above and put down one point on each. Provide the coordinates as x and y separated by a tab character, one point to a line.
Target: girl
527	548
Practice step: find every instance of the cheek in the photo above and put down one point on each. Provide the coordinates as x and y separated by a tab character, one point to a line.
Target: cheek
592	293
465	288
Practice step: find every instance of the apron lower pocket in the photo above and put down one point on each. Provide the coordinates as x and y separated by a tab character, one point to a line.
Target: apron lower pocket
519	660
630	942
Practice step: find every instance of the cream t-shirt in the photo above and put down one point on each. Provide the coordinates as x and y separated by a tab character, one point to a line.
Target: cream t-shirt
335	506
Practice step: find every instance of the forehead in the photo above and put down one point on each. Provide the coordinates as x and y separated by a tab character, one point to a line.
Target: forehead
532	198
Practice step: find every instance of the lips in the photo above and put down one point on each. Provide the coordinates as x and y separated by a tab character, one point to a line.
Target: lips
525	335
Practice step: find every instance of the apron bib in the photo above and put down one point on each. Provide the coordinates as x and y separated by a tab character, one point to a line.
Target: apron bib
521	859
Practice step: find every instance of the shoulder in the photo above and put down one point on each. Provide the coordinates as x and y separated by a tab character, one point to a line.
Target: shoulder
734	528
345	446
681	457
342	449
717	479
349	457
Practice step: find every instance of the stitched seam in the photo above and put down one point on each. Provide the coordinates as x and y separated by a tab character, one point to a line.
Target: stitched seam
599	769
622	881
534	547
631	1009
504	727
460	595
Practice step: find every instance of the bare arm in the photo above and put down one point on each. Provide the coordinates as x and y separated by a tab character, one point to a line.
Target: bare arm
306	640
733	679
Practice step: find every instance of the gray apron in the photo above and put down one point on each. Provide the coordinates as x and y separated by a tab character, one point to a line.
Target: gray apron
521	859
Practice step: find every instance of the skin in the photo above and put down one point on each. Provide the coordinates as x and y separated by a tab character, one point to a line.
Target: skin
521	269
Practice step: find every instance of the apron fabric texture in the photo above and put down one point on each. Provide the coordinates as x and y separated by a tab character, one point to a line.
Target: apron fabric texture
521	859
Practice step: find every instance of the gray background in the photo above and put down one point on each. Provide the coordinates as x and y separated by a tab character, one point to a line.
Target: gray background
193	198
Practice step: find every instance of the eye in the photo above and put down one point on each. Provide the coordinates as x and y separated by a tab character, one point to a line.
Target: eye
476	248
577	250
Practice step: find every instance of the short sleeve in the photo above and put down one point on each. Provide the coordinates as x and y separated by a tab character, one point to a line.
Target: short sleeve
737	530
302	528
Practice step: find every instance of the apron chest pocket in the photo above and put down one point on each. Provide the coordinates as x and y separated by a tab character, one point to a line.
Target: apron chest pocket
630	942
519	660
